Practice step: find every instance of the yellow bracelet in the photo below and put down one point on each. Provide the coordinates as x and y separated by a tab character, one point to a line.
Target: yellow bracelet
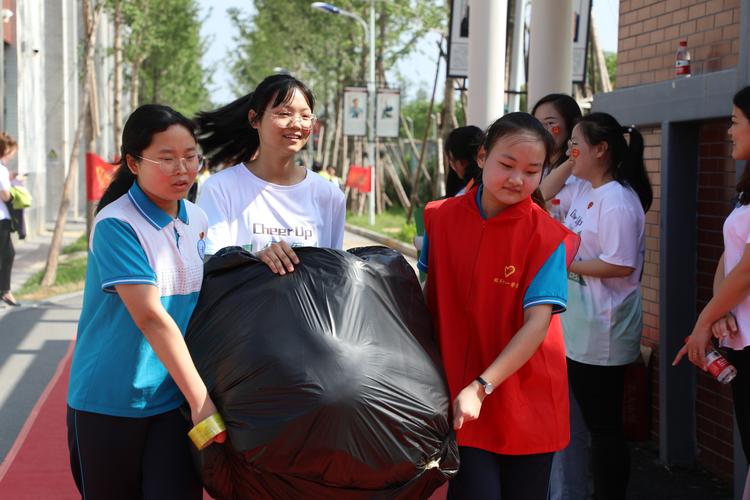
206	430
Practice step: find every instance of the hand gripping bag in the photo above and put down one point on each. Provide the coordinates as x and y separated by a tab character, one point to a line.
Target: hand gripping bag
328	378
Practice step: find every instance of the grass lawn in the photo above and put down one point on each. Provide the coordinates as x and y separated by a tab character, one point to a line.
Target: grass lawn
391	223
71	274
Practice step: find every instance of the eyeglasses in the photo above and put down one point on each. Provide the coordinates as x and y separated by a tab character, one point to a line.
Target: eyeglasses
170	166
285	119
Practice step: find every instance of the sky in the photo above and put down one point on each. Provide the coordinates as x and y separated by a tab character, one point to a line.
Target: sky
421	63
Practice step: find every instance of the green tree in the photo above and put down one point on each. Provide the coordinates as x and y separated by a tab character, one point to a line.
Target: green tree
611	60
163	48
324	50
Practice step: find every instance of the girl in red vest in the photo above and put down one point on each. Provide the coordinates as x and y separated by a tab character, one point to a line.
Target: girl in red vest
496	265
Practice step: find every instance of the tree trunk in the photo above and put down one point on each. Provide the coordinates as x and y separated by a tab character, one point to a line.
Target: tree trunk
415	179
117	101
90	19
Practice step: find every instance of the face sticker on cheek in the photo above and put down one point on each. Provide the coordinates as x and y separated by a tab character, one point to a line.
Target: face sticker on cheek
555	130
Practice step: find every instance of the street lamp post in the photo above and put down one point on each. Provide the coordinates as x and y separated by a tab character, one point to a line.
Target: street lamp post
370	35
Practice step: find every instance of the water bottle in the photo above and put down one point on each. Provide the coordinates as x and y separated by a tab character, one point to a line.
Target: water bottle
682	61
718	366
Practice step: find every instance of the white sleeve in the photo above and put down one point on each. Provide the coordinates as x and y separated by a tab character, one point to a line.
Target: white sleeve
4	179
619	229
338	220
569	192
214	204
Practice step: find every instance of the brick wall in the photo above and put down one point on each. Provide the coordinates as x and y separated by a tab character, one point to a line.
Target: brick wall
716	181
650	30
650	280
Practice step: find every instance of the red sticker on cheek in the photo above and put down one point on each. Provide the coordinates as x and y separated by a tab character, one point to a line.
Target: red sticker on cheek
575	153
555	130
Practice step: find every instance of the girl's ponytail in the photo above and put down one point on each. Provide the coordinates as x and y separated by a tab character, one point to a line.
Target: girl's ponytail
632	168
226	134
625	160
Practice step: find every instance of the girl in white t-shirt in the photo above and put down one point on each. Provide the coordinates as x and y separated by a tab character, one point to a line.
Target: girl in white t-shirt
727	314
266	203
603	324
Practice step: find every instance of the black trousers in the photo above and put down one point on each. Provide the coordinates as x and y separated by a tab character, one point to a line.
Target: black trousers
115	458
599	391
741	394
7	254
489	476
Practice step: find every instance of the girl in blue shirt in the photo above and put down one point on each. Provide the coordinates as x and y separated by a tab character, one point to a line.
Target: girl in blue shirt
131	368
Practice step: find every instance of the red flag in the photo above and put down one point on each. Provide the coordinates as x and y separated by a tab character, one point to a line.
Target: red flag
98	176
359	178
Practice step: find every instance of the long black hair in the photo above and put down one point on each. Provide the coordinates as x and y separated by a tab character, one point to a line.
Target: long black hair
519	123
625	159
742	101
570	112
225	134
463	144
137	135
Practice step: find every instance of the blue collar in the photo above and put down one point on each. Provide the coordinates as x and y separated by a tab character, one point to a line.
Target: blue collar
153	214
479	202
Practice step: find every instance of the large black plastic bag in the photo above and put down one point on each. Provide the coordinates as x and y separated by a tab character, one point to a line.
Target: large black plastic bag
328	378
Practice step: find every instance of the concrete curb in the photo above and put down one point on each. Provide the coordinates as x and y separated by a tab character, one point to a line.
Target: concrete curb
402	247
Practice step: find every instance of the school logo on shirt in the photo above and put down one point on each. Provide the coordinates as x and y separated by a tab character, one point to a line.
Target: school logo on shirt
202	246
508	271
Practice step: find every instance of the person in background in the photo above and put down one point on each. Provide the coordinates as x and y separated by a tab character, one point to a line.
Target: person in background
727	314
333	177
8	148
461	147
558	113
603	324
265	203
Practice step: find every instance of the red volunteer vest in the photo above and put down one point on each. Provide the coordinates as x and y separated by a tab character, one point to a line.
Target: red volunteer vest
479	271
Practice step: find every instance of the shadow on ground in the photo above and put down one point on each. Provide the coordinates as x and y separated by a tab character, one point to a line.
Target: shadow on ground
650	479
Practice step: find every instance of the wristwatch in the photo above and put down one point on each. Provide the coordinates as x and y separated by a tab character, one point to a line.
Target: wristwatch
488	387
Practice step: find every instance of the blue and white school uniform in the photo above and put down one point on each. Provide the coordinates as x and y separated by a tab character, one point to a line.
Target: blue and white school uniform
115	371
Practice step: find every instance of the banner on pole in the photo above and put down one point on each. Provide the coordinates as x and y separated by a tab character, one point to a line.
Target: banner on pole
388	110
355	111
581	20
359	178
99	174
458	40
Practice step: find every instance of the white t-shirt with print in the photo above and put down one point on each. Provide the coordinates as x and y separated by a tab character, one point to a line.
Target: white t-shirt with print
4	186
604	320
736	237
244	210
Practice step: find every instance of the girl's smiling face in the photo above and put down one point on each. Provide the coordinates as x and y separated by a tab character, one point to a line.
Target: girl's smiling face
554	122
285	127
587	160
511	171
739	134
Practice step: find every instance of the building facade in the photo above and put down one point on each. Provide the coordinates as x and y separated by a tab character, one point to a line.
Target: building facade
42	92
